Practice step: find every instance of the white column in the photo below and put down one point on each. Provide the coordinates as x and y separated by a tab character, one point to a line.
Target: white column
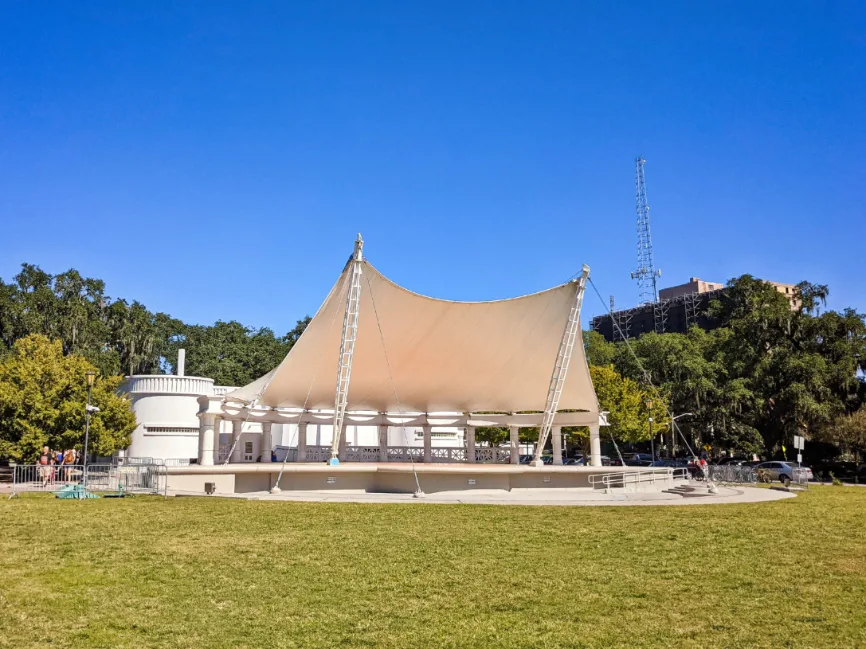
341	449
302	442
267	441
470	444
383	443
217	428
205	438
514	434
238	455
594	446
428	443
556	433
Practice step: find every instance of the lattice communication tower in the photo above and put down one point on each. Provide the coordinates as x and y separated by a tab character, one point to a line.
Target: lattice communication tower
646	272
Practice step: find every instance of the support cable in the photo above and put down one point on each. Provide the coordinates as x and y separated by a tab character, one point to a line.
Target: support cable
304	407
418	491
643	370
616	446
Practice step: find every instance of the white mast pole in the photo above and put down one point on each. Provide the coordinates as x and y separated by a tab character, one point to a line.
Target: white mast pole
347	347
560	368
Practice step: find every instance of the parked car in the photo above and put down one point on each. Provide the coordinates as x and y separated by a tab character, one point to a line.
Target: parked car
605	461
737	461
785	472
637	457
680	463
525	459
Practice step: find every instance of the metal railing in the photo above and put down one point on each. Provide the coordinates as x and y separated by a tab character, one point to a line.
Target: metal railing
39	478
132	461
608	481
128	479
177	461
134	479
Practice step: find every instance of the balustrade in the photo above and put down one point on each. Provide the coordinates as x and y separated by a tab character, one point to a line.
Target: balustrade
405	454
441	454
449	454
492	455
362	453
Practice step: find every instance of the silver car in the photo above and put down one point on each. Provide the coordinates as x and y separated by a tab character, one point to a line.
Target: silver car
785	472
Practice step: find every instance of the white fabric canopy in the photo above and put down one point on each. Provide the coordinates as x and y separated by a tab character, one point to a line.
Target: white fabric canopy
443	356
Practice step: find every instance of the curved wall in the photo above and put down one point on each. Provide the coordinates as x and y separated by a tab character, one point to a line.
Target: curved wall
165	407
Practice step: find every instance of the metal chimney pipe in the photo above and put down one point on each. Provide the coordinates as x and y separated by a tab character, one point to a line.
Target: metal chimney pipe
181	362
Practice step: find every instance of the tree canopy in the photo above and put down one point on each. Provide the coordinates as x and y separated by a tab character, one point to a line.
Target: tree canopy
122	338
43	394
768	373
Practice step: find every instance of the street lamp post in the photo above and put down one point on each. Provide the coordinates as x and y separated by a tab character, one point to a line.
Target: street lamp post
673	427
91	377
649	405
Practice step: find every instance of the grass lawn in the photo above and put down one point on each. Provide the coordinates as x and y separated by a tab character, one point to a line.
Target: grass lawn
196	572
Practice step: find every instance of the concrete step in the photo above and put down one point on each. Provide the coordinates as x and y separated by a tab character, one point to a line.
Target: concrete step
689	491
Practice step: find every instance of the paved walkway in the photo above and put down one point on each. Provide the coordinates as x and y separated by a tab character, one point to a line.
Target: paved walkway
556	497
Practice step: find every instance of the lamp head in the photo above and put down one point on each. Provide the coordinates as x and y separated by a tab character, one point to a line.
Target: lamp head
91	377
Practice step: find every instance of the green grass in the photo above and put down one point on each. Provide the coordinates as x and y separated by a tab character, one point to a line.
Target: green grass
195	572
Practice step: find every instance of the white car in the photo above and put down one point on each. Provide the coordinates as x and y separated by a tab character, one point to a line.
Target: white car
785	472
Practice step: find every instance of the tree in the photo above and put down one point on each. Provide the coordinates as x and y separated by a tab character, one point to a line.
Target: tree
122	337
292	336
231	353
598	350
42	399
491	435
628	405
848	433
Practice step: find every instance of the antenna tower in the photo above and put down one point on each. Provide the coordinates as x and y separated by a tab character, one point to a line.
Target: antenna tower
646	272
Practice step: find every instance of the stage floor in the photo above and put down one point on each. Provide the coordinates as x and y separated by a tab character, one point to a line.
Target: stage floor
528	497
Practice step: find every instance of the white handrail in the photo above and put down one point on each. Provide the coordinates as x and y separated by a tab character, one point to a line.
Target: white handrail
611	480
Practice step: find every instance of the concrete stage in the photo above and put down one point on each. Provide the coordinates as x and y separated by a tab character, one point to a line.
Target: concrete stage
532	497
395	478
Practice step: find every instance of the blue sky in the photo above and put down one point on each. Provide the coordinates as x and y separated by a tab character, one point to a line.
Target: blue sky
215	159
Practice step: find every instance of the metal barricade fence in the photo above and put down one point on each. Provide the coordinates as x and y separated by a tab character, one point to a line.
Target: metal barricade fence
39	478
135	479
732	474
178	461
800	477
138	461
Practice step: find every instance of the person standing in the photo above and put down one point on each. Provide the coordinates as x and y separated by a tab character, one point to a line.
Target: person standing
46	462
68	461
